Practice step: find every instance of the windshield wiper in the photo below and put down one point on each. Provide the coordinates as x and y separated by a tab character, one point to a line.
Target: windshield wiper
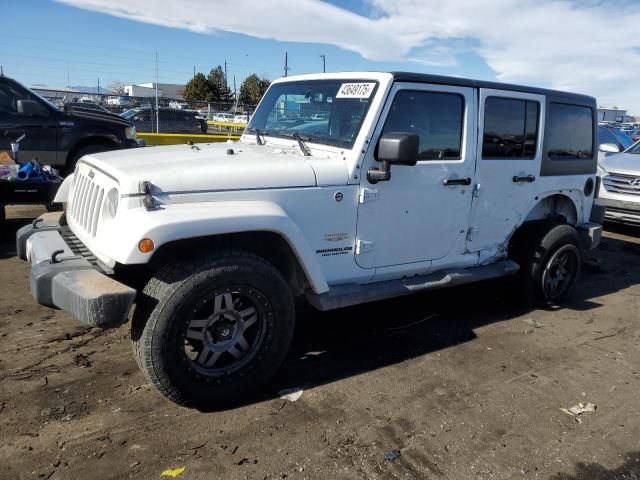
301	142
259	140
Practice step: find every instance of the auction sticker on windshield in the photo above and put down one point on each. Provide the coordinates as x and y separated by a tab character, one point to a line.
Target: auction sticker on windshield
355	90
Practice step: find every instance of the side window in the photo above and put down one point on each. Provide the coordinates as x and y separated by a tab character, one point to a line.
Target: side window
436	118
510	128
569	132
9	99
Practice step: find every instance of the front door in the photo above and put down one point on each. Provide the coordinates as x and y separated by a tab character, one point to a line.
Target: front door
40	132
421	213
508	166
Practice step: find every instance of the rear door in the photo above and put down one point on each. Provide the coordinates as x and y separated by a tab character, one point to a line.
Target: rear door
509	155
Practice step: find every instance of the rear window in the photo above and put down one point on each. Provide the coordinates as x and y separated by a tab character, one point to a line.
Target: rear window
569	132
510	128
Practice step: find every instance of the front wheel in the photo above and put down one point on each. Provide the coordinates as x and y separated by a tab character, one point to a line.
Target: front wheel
210	331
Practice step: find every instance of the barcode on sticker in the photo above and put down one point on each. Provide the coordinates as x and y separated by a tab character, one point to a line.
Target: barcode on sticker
355	90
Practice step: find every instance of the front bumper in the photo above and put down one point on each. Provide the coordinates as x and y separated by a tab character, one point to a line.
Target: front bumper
618	210
64	276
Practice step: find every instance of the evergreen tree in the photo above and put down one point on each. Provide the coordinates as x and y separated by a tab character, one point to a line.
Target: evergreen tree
198	88
252	89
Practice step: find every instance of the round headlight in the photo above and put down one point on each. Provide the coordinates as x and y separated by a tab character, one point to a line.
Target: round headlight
111	203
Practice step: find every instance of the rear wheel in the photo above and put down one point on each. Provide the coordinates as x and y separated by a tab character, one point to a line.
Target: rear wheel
550	257
210	331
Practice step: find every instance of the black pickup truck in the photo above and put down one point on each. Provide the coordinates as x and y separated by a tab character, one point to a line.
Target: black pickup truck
57	137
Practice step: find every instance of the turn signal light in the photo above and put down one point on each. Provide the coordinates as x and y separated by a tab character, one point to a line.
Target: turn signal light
146	245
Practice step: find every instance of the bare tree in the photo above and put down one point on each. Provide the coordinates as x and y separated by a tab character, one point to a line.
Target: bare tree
117	87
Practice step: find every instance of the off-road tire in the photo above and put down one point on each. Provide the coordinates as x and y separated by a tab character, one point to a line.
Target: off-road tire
164	308
533	248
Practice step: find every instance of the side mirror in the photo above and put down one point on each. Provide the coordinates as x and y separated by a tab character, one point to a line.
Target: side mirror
609	148
399	148
31	108
394	149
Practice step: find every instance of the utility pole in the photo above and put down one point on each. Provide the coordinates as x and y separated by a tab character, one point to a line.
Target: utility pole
324	62
286	63
1	70
98	85
194	71
68	76
157	112
226	84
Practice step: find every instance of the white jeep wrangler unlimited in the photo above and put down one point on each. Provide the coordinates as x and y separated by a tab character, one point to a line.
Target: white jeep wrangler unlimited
344	188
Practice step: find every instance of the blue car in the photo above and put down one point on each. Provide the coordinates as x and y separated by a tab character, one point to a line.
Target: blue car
614	137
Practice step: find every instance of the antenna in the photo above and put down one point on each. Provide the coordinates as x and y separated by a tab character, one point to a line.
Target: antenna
286	63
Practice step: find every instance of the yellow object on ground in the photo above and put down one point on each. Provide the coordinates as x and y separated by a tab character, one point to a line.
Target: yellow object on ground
179	138
173	473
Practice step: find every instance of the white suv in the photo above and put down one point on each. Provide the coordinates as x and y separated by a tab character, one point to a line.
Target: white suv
409	183
619	190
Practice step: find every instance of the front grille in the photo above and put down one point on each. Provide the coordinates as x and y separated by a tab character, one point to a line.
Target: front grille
624	184
87	204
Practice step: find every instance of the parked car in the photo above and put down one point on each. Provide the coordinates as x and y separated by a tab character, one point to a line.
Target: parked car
223	117
57	137
619	190
635	135
120	101
169	120
241	118
612	136
178	105
401	191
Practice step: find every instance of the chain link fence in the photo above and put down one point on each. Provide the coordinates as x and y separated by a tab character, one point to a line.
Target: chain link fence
168	115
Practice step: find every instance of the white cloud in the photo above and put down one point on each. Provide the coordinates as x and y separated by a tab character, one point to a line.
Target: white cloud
585	46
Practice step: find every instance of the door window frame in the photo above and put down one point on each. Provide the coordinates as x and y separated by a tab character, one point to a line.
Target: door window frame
468	117
486	93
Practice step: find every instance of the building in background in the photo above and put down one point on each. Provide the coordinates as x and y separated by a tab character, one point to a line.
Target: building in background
169	90
613	115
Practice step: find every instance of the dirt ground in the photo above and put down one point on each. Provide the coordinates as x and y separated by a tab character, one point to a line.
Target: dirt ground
460	383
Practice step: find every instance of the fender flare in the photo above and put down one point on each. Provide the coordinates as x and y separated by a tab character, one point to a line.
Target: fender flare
184	221
62	194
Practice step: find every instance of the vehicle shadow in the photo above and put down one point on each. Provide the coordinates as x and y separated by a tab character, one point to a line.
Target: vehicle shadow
331	346
629	470
8	229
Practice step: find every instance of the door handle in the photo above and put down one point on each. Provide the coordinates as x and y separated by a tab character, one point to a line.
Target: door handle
456	181
526	178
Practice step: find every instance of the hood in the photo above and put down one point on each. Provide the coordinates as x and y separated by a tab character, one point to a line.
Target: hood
208	167
94	115
626	163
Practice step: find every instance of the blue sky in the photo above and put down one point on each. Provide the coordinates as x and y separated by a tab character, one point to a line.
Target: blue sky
554	43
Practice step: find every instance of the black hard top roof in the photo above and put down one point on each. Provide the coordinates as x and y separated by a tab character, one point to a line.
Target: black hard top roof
467	82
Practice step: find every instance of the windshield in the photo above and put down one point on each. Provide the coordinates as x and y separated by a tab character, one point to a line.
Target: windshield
329	112
625	139
128	114
635	149
43	99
